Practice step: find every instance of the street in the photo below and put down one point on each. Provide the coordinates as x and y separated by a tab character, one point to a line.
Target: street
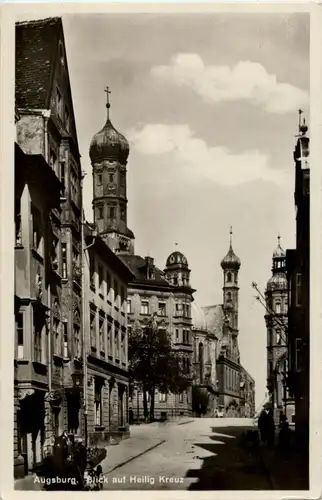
202	454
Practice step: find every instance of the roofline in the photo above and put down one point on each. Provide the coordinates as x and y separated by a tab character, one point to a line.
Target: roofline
37	21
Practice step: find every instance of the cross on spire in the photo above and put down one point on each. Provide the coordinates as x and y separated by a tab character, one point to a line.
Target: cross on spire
108	105
279	239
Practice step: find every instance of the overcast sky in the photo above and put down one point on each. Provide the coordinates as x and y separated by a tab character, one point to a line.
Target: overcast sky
209	105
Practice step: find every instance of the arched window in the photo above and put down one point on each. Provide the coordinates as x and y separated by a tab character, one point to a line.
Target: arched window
229	276
229	296
201	362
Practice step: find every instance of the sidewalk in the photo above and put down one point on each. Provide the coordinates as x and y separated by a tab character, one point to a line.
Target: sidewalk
285	471
144	437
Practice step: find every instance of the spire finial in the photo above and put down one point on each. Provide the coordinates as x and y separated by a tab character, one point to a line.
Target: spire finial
300	119
108	105
231	235
279	239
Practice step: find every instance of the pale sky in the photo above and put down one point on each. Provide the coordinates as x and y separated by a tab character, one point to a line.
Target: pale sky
209	105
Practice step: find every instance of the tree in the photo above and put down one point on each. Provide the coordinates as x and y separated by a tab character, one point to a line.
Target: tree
200	401
154	364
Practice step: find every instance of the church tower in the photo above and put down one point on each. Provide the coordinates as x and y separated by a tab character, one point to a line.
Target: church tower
230	265
109	151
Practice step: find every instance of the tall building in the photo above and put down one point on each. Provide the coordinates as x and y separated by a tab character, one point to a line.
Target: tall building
37	194
247	394
46	132
298	276
107	386
168	293
276	297
109	151
222	321
204	362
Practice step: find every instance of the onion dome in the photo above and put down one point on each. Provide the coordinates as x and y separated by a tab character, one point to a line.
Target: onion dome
176	259
279	252
230	261
108	143
277	282
198	317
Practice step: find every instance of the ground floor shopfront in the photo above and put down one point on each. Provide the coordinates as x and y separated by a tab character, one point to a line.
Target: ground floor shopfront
107	404
40	416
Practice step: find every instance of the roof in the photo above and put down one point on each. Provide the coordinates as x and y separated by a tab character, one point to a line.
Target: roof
138	265
101	248
36	49
214	317
175	259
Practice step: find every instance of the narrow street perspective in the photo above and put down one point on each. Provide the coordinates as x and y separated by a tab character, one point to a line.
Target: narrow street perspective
162	241
198	454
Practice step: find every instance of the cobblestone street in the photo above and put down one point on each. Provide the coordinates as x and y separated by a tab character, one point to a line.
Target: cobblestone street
199	455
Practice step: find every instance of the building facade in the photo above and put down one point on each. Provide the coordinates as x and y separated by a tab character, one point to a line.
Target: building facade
46	130
276	297
204	360
247	394
168	295
37	194
105	320
298	276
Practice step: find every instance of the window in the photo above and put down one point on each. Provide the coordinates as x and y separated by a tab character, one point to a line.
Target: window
122	214
111	177
66	118
188	366
64	259
177	334
59	104
129	304
162	397
162	309
229	296
101	332
99	179
53	160
62	173
112	212
36	230
298	290
100	279
19	332
229	277
144	307
270	337
235	277
98	402
179	308
65	333
56	336
108	283
278	336
100	212
109	337
181	397
122	180
116	292
117	343
93	328
123	348
37	342
77	346
278	307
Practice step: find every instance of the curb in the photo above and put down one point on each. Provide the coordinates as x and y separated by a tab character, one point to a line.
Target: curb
134	457
188	422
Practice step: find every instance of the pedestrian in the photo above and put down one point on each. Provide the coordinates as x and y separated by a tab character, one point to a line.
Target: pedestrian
262	426
270	433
